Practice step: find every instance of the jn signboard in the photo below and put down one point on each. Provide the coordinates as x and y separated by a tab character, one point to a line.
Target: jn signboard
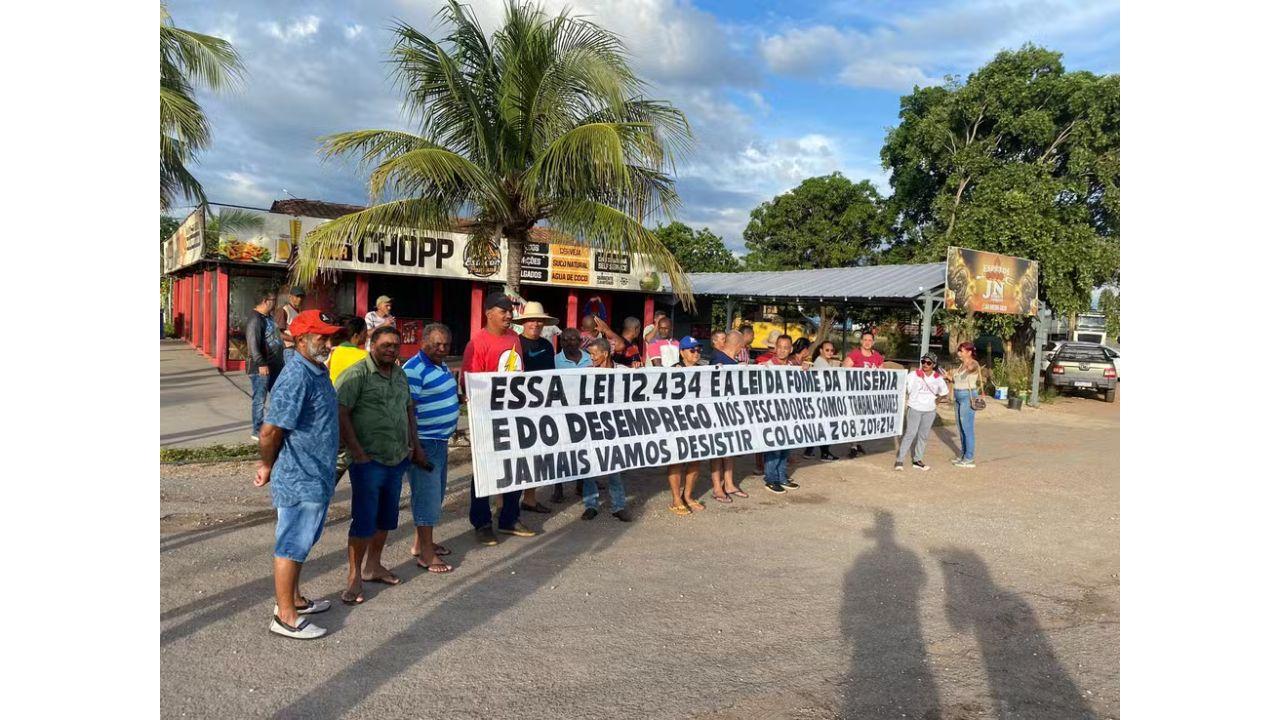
990	283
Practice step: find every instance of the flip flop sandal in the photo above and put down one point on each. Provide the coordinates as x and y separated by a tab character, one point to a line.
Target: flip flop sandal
430	568
385	580
696	506
740	494
346	600
441	551
679	509
726	499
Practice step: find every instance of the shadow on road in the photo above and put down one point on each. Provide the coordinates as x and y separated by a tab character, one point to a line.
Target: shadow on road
497	590
889	675
1024	675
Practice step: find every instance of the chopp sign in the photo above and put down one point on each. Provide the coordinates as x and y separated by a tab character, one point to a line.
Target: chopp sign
404	252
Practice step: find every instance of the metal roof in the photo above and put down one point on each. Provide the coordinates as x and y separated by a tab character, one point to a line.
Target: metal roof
871	282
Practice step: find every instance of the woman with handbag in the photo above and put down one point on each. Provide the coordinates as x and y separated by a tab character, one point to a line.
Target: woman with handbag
924	387
966	387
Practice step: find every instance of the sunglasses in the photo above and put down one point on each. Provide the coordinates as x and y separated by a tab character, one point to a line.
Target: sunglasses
926	362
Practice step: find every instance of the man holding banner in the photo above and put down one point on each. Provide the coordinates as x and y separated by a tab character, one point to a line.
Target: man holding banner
682	476
496	348
602	357
775	461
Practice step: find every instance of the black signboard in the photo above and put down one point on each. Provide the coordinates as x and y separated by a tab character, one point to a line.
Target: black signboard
612	262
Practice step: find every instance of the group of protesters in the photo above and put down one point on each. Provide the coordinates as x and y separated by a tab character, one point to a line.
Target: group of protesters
342	402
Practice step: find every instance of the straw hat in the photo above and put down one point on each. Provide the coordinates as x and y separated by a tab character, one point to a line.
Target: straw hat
534	311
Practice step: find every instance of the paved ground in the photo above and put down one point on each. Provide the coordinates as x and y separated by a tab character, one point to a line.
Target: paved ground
199	405
987	593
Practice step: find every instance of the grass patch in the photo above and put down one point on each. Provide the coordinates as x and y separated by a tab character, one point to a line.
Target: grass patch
211	453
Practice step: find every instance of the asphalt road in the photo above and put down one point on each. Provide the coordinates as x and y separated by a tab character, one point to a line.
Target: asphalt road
991	592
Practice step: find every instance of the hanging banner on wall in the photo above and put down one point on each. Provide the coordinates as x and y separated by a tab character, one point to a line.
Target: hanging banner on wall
531	429
991	283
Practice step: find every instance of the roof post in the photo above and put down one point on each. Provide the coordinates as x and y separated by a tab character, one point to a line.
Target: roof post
926	322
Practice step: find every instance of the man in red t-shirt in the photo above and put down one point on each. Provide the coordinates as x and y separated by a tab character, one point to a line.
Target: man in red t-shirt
863	356
494	348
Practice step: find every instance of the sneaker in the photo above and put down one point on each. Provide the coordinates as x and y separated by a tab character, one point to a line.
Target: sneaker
313	607
253	438
790	485
828	457
957	460
590	514
519	530
775	488
624	515
966	464
919	465
304	630
897	466
485	536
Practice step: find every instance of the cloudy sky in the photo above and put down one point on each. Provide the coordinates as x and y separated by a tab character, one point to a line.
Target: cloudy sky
776	91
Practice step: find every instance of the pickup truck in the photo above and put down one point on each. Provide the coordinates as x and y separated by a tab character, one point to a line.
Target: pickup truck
1083	367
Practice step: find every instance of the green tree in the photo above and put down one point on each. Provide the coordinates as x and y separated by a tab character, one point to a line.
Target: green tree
826	221
1023	158
544	122
1109	305
187	60
700	251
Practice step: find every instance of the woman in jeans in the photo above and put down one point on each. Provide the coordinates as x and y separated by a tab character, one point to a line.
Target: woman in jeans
966	384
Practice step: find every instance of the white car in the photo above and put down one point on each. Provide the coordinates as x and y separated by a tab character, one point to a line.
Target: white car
1053	347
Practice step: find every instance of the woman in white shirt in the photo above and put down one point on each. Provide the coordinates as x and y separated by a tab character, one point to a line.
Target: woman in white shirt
924	387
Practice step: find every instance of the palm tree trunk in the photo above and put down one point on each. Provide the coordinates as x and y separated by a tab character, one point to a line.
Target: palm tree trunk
515	256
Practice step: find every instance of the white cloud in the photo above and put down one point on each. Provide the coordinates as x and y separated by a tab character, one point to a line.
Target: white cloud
353	31
299	29
895	51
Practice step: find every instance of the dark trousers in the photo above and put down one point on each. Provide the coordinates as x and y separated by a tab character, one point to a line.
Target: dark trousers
482	514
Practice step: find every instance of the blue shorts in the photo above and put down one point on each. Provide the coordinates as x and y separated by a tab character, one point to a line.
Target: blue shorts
375	497
298	529
428	487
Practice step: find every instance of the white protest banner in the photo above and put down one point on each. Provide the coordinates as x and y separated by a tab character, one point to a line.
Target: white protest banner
538	428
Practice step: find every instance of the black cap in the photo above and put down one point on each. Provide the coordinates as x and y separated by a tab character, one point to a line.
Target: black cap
498	300
298	290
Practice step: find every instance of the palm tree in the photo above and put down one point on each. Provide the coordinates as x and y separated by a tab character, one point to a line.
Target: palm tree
187	59
543	123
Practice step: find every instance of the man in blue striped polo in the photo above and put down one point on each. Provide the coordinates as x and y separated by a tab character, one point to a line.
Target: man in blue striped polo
435	399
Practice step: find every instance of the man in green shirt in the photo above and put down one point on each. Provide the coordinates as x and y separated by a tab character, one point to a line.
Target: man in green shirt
379	429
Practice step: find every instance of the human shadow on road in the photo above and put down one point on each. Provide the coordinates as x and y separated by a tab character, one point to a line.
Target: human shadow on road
1024	675
889	676
464	609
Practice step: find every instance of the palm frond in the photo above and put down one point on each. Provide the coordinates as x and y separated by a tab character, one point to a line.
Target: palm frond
600	226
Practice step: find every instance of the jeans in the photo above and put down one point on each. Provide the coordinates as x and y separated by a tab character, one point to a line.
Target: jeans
427	486
375	497
261	385
482	514
298	529
617	493
775	467
964	418
918	426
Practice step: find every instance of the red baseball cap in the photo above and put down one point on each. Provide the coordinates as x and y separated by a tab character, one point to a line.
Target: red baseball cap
313	321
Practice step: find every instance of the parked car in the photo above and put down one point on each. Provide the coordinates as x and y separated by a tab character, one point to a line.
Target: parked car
1083	366
1053	347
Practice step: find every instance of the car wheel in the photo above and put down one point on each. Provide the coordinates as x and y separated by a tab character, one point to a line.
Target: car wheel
1110	395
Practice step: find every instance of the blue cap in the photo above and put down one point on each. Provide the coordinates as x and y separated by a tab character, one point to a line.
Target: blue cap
689	342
